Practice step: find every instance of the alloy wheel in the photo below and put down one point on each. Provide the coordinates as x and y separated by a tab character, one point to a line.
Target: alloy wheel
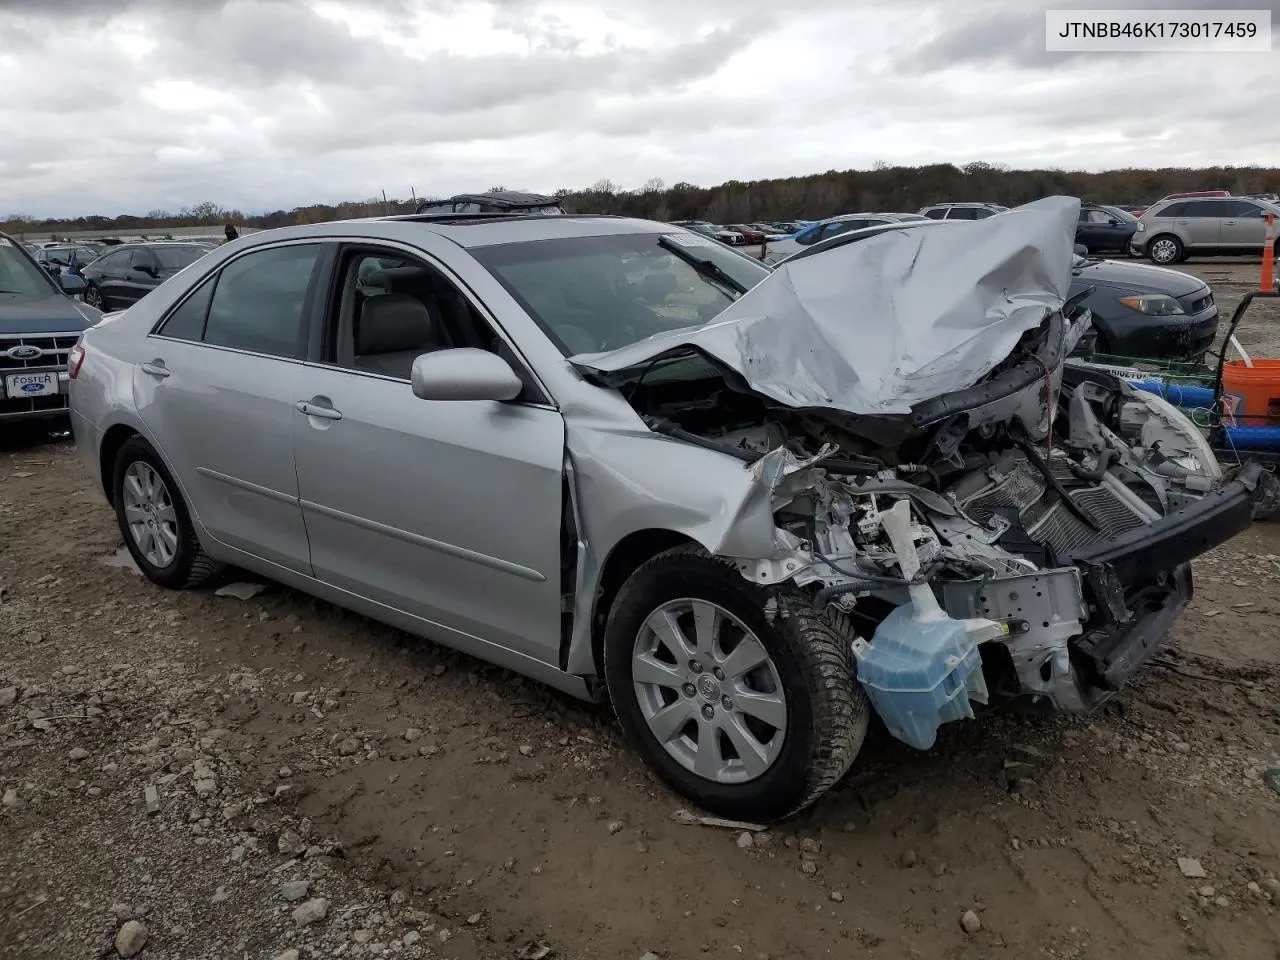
709	691
149	512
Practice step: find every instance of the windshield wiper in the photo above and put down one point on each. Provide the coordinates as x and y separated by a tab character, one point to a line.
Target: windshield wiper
705	268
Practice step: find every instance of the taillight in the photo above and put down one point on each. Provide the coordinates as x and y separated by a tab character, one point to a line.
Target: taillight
75	359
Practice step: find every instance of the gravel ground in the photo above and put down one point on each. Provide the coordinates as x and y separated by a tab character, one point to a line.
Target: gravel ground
191	775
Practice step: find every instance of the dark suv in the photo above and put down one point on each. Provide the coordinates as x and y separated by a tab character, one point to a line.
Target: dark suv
39	324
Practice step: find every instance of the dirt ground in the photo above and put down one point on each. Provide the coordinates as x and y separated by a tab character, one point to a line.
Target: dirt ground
275	778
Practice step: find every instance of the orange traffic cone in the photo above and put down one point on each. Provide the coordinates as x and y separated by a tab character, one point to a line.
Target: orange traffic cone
1268	283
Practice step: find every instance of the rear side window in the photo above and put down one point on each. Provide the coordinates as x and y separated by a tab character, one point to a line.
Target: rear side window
935	213
143	259
258	301
175	258
1241	208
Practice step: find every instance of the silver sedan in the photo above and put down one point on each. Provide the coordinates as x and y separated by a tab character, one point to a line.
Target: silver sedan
399	416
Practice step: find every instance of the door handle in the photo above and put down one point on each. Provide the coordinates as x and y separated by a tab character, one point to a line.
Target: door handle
318	407
156	368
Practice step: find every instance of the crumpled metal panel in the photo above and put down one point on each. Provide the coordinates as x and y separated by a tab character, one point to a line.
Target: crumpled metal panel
876	326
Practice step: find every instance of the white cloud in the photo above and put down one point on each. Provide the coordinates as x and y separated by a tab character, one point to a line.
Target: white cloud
112	106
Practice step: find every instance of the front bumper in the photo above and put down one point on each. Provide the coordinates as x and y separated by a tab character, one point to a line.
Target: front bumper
49	407
1165	338
1078	633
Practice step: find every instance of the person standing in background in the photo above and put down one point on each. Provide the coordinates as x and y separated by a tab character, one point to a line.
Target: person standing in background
231	234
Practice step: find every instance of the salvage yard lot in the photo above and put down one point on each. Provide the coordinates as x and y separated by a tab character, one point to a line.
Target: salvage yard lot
444	808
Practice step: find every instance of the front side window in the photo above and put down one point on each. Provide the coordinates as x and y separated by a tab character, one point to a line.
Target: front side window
936	213
600	293
259	298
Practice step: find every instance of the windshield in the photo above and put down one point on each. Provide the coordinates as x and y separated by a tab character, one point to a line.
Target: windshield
19	277
591	294
1124	216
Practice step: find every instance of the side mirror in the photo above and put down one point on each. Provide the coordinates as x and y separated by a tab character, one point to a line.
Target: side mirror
71	283
1081	250
464	373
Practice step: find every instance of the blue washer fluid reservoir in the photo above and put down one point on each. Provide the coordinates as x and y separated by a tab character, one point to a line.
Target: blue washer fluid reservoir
922	667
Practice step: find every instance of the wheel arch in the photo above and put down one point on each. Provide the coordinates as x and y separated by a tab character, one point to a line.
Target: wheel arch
627	555
112	440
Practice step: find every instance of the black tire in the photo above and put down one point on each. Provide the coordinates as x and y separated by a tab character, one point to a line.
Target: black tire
827	712
190	566
1267	504
93	297
1179	251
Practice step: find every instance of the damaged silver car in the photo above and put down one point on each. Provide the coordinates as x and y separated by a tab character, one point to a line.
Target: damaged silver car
748	507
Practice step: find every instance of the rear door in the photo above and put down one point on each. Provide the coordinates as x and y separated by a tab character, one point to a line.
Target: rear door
110	273
141	277
1243	224
217	391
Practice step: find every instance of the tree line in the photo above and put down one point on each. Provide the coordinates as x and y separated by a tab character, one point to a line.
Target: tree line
812	197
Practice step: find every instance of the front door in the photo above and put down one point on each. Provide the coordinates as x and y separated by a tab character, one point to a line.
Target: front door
218	388
447	510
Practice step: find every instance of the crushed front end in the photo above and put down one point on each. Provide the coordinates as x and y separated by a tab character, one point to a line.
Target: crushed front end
1054	502
984	518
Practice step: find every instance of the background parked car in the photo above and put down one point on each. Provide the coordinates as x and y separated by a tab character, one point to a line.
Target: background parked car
751	234
1105	229
961	211
130	271
723	234
57	259
1146	312
1173	230
39	325
825	229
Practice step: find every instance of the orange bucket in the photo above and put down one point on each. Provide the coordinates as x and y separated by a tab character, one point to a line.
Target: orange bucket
1258	388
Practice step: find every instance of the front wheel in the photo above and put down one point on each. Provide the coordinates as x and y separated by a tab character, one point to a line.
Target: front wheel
93	297
154	521
743	699
1165	250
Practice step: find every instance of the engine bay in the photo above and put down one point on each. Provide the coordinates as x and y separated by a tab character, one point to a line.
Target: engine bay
1002	494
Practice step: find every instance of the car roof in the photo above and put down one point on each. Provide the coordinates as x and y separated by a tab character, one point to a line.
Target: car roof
467	230
150	245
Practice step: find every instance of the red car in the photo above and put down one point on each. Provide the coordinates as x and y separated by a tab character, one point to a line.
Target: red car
750	234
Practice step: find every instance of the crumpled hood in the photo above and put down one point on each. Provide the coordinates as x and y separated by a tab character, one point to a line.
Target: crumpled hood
876	326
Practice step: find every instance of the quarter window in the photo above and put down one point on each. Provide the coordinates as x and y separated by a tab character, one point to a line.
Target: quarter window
258	302
187	322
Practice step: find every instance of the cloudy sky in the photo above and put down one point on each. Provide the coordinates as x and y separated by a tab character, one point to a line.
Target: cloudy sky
115	106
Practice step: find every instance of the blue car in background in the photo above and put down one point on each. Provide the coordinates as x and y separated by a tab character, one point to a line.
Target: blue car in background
1105	229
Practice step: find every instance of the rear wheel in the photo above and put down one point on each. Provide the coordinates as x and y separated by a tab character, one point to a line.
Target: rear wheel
744	700
154	520
1165	250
